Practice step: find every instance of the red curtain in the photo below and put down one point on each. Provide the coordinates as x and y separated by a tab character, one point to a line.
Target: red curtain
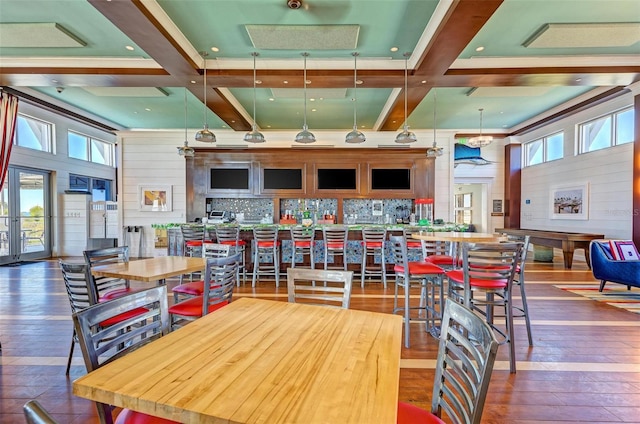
8	115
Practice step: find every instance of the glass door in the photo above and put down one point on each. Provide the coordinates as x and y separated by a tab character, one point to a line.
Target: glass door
25	216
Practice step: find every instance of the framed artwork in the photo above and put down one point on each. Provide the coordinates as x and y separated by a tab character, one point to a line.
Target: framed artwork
376	207
154	198
570	202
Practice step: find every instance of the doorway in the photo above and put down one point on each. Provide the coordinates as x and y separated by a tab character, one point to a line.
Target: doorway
470	204
25	216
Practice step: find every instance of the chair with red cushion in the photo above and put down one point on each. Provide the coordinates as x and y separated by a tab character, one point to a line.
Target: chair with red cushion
335	243
416	274
101	345
302	243
414	246
266	253
108	288
488	270
466	355
439	253
373	240
230	235
196	288
220	277
193	236
518	280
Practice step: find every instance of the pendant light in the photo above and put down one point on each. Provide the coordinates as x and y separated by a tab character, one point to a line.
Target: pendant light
481	140
434	151
355	136
185	150
305	136
254	136
406	136
204	135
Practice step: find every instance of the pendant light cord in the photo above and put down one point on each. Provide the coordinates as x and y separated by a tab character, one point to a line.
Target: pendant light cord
406	73
355	83
305	88
254	54
481	109
185	115
204	85
434	117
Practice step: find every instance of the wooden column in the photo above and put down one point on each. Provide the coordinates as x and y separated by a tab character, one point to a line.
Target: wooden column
512	185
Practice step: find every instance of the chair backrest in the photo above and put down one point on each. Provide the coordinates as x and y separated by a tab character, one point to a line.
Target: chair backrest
264	234
303	287
525	240
220	277
400	253
335	236
34	413
215	250
466	354
301	233
435	247
79	289
147	318
111	255
192	232
374	234
228	233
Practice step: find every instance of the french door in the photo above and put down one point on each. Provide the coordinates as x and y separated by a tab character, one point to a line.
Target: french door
25	216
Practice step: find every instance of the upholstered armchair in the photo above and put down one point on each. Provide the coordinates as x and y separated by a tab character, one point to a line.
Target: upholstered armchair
605	268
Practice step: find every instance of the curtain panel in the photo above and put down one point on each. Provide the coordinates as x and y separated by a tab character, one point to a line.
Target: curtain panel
8	115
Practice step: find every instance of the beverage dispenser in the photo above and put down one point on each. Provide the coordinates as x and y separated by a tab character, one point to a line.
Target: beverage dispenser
424	211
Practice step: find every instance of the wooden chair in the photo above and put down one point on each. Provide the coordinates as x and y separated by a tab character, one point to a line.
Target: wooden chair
108	288
335	292
220	277
34	413
466	355
104	336
196	288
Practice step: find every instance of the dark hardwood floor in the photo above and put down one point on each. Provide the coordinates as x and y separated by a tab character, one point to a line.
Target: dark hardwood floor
584	366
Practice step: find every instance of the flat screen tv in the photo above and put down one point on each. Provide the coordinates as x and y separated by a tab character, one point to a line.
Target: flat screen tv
282	179
229	179
336	179
391	179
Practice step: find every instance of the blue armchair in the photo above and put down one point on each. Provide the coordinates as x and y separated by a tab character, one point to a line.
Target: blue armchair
605	268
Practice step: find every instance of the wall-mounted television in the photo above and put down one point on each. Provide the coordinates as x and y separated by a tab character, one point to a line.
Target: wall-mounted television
229	179
391	179
336	179
282	179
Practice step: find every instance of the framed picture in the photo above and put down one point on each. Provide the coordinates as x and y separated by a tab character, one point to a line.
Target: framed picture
154	198
376	207
570	202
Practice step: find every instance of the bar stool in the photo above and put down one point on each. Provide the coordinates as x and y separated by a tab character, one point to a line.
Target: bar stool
438	253
230	235
193	236
302	242
335	244
417	274
373	245
518	280
414	247
266	246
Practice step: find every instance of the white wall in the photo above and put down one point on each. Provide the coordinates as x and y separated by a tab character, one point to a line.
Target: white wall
609	173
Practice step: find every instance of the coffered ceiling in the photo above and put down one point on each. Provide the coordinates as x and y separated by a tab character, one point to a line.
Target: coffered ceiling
128	62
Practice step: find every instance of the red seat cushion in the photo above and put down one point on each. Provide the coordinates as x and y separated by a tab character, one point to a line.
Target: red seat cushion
303	243
193	307
419	268
414	245
193	288
110	295
335	245
410	414
267	243
194	243
457	276
441	259
127	416
123	316
233	243
372	244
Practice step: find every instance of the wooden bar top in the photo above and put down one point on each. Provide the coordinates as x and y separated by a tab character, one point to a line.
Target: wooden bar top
262	361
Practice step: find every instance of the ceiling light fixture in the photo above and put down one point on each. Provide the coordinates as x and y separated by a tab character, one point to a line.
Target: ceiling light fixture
434	151
204	135
254	136
185	150
406	136
355	136
305	136
480	140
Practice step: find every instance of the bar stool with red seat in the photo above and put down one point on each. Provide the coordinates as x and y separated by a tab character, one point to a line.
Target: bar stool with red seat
193	235
414	247
373	239
302	243
439	253
230	235
266	248
335	244
416	274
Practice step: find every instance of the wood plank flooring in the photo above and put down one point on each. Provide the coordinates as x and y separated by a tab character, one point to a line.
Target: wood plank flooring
584	366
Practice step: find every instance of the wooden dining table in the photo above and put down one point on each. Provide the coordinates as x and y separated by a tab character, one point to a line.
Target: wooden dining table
457	237
262	361
156	269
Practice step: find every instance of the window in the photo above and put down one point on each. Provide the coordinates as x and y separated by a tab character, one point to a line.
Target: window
544	149
606	131
33	134
100	189
90	149
463	208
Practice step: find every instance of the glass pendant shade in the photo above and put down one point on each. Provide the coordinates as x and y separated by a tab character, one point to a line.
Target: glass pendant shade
355	136
254	136
204	135
434	151
185	150
305	136
481	140
406	136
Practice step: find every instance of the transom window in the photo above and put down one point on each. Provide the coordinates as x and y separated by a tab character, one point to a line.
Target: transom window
90	149
544	149
606	131
33	133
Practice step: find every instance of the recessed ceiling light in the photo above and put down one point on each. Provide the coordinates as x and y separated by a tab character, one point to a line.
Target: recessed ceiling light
54	81
285	82
479	48
147	109
423	81
313	110
215	49
393	122
224	126
358	82
233	122
268	126
394	49
578	79
130	48
258	82
308	82
193	82
312	99
271	99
